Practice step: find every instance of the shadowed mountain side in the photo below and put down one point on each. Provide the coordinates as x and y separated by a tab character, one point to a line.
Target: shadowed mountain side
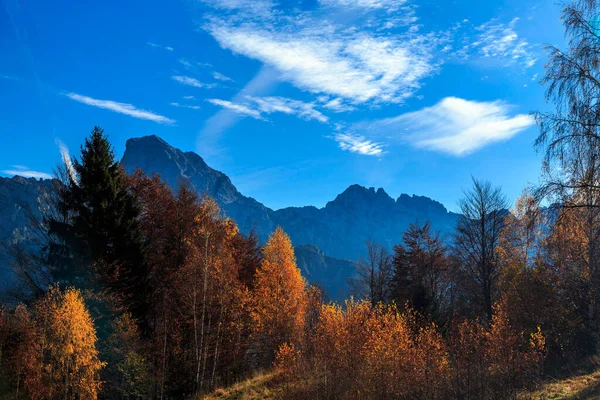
325	238
18	200
340	229
329	273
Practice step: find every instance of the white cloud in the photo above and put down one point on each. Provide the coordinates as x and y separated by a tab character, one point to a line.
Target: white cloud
502	41
238	108
193	107
66	157
189	97
358	66
257	106
387	5
454	126
272	104
259	8
337	105
358	144
220	77
159	46
186	80
21	170
122	108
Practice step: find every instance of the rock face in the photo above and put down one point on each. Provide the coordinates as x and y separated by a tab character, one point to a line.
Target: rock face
153	155
18	199
330	274
340	229
343	226
325	238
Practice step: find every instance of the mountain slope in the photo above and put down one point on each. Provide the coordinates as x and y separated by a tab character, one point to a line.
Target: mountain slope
325	238
153	155
340	229
18	200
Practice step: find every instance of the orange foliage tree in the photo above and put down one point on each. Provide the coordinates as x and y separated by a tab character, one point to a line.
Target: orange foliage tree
366	352
211	299
361	351
279	297
495	361
52	351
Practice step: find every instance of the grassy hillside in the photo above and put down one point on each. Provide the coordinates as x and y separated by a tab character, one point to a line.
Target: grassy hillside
265	387
579	387
260	387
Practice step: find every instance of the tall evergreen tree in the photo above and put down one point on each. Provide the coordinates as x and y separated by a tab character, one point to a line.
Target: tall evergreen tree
102	228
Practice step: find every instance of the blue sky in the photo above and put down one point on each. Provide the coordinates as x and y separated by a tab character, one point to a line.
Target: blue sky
294	100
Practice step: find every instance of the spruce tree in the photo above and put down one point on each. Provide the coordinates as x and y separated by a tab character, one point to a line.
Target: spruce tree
101	229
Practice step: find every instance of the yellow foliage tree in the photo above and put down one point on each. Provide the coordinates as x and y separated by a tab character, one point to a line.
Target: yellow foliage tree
279	297
67	340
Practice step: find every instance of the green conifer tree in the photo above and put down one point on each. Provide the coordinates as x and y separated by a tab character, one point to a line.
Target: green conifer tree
101	228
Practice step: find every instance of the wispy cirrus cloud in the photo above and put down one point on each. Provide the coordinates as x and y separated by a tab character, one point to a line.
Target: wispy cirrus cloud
189	81
358	144
159	46
387	5
122	108
66	158
257	106
220	77
237	108
274	104
376	56
24	171
358	67
190	106
498	40
336	105
453	126
325	55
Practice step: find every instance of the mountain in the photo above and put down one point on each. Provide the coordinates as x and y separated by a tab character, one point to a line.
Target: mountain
153	155
18	199
340	229
325	238
330	274
343	226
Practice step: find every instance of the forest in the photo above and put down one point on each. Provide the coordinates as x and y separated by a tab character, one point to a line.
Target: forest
136	290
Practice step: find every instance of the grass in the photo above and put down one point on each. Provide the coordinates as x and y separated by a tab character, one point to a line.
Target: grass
260	387
264	386
580	387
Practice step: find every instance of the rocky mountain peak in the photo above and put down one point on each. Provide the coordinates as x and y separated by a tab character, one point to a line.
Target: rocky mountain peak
155	156
359	196
421	202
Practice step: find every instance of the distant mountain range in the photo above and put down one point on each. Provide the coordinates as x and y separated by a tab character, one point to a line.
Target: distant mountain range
327	240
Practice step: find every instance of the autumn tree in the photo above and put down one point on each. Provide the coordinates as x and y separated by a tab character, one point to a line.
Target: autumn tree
55	351
279	297
421	271
569	139
211	300
127	364
21	364
361	351
478	229
495	360
373	276
167	221
248	257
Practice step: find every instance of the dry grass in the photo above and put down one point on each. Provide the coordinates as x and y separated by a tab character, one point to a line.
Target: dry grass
265	387
260	387
582	387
